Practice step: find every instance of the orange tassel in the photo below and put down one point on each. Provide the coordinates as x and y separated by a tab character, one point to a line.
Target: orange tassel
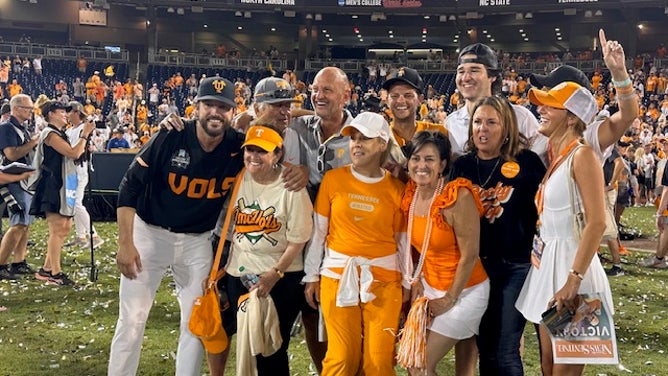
412	352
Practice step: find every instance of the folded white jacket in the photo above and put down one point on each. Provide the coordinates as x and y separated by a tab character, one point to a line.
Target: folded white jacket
258	332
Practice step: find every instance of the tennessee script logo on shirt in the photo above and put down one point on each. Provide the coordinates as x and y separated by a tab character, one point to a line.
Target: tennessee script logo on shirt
492	198
255	223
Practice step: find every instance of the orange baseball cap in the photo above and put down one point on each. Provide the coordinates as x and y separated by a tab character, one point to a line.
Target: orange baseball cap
263	137
567	96
217	343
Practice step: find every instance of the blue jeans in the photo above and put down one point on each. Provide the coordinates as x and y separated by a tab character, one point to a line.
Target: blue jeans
502	325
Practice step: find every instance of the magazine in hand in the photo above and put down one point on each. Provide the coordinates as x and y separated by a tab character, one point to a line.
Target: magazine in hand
586	336
16	168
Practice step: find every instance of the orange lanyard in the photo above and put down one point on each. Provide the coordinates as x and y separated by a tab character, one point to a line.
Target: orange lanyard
553	165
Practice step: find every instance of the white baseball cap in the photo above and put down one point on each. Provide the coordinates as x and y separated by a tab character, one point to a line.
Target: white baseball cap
370	124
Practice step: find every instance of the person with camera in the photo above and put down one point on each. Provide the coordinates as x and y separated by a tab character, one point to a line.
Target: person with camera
54	195
17	145
82	223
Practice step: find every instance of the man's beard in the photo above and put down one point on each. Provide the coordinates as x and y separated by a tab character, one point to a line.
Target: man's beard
214	132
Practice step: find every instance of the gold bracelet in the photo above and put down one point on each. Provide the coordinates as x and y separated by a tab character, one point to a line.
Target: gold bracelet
578	275
280	273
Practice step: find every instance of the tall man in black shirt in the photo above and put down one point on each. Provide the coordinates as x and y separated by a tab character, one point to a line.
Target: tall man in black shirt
168	203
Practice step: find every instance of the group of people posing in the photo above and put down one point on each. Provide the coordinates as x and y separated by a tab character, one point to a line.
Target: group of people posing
351	221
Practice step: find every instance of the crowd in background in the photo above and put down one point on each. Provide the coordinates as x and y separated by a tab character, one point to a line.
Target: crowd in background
135	111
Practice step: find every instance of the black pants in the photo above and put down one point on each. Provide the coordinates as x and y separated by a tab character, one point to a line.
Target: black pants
502	324
288	297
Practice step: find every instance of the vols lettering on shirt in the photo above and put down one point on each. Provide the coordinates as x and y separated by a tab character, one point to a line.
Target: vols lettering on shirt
492	198
177	185
255	223
198	188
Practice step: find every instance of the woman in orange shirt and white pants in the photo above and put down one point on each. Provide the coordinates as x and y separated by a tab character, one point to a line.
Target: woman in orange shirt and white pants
352	265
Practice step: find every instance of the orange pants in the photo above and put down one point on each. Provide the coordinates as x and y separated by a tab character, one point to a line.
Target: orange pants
361	337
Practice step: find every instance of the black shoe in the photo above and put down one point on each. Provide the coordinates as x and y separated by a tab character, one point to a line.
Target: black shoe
22	268
6	273
615	271
31	243
61	279
43	275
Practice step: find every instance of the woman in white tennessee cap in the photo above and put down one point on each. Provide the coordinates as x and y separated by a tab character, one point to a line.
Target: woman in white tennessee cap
358	231
564	262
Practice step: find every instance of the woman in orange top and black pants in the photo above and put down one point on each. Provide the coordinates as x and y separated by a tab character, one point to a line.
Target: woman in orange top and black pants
444	226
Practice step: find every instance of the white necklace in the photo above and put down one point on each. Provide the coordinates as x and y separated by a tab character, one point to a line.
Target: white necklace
427	234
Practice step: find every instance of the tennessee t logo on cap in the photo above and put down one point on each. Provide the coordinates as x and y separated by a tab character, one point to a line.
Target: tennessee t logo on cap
218	85
283	85
263	137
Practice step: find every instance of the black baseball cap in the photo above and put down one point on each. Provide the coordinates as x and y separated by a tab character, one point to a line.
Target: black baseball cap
274	90
405	75
52	105
479	53
217	89
558	75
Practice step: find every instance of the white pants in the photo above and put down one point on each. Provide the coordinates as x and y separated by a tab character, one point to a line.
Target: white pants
190	258
81	216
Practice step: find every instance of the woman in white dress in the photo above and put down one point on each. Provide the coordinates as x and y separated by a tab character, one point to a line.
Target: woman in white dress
567	266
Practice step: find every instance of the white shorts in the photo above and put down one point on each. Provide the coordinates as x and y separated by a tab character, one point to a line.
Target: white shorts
463	320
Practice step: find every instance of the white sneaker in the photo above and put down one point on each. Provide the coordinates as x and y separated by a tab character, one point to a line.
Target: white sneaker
80	242
653	262
97	241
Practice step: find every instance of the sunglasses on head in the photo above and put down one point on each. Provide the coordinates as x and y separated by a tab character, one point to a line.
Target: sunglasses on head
321	164
278	94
